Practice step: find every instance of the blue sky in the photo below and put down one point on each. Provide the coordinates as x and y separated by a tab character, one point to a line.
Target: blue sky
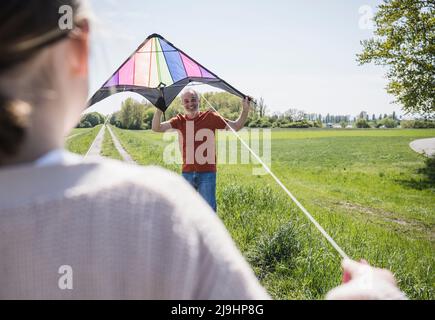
294	54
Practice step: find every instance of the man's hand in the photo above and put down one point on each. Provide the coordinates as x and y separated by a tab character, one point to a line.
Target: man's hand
240	122
365	282
157	125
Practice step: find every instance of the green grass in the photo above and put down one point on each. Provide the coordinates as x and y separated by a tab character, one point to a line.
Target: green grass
108	148
144	147
81	139
367	188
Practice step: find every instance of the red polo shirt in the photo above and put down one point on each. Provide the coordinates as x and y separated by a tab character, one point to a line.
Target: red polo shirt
197	140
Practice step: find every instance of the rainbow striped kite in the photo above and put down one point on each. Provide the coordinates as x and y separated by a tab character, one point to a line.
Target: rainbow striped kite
158	71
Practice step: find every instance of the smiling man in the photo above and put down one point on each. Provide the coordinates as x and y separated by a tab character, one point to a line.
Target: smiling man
196	131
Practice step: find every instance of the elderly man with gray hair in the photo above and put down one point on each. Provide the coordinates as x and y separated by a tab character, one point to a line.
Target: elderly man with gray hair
196	130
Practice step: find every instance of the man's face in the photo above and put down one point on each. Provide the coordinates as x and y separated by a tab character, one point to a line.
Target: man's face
190	102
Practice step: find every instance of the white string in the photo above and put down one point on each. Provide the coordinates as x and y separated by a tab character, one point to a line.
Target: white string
305	211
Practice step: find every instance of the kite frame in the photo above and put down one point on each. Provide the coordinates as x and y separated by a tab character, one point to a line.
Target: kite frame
180	83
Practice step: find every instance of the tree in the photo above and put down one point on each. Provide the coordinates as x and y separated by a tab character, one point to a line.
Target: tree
404	37
85	124
115	119
389	123
261	108
294	115
93	119
132	114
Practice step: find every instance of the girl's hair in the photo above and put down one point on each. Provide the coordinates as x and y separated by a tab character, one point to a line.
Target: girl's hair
26	27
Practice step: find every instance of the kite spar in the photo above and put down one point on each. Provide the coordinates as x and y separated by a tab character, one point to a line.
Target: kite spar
158	71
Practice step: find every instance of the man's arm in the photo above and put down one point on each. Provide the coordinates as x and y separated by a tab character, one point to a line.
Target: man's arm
240	122
157	125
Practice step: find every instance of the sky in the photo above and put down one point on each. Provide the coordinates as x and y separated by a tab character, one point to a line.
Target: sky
293	54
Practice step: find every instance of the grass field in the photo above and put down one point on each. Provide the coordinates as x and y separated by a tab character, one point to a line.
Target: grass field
367	188
80	140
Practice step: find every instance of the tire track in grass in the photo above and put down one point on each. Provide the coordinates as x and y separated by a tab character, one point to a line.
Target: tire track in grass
108	148
124	154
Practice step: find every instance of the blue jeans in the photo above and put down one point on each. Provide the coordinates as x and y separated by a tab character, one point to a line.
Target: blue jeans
205	184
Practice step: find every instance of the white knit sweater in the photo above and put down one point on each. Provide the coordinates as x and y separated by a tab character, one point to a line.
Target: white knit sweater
127	232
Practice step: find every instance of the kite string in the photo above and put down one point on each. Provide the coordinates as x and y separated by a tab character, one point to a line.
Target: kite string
305	211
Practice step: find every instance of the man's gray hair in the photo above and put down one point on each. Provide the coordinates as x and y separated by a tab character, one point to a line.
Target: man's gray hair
189	90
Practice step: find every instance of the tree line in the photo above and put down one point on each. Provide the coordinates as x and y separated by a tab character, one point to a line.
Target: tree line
135	115
90	120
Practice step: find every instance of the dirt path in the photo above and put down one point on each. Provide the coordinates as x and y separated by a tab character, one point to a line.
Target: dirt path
425	146
95	148
127	158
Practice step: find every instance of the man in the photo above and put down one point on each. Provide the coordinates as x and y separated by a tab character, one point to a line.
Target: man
197	131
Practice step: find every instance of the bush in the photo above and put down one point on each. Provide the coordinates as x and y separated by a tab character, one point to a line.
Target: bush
270	251
260	123
101	118
362	124
424	124
418	124
297	124
275	125
318	124
388	123
114	118
90	120
85	124
407	124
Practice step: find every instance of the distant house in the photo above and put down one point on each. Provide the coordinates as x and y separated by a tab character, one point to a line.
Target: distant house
336	126
329	125
349	126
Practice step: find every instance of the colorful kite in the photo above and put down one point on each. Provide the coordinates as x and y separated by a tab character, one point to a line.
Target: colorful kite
158	71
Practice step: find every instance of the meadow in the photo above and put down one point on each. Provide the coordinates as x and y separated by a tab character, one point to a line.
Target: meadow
80	140
367	188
